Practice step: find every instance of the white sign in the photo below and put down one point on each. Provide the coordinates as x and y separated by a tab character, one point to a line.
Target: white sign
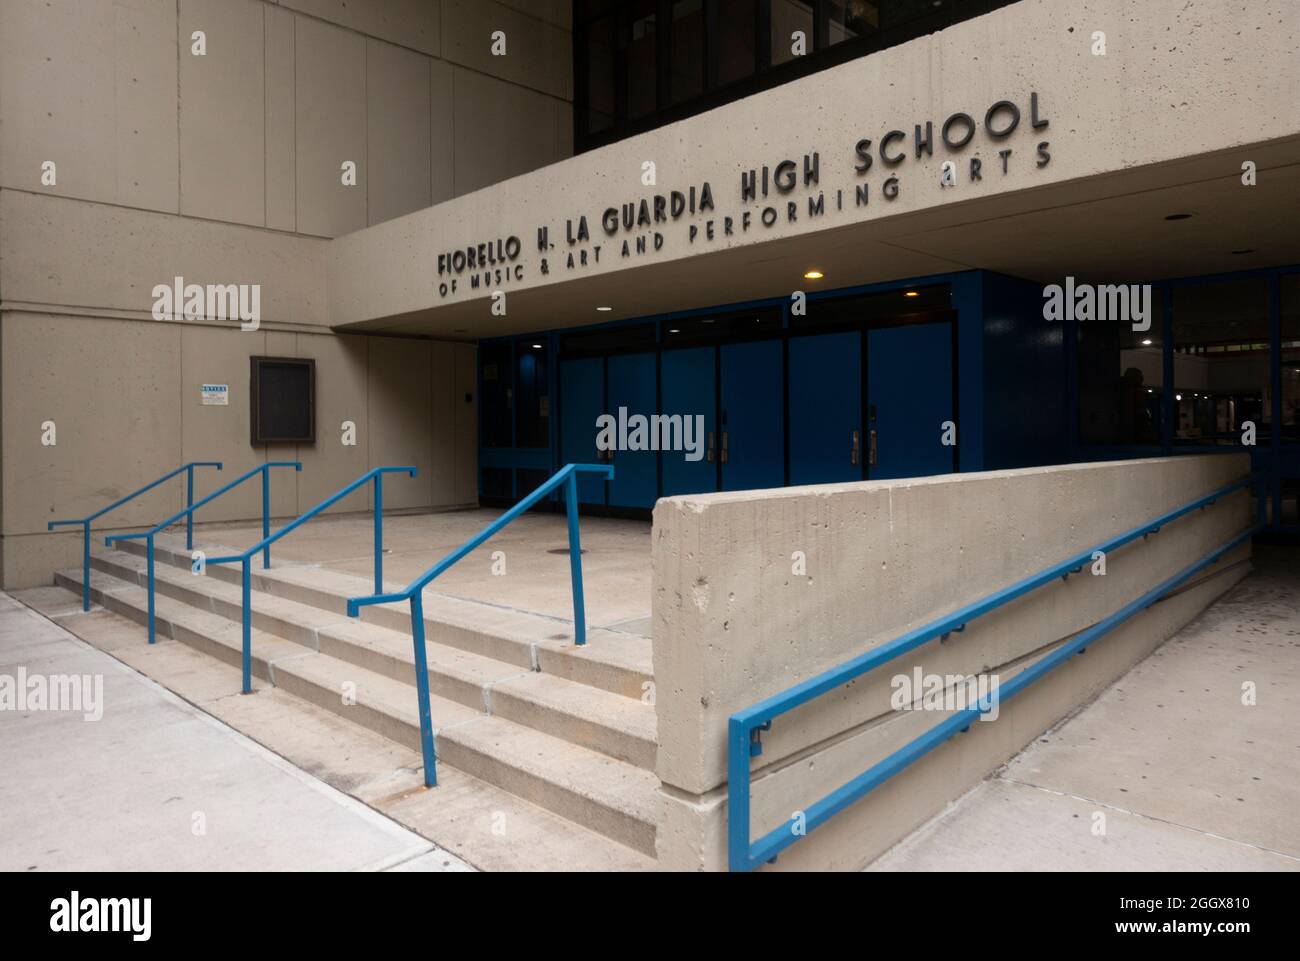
215	395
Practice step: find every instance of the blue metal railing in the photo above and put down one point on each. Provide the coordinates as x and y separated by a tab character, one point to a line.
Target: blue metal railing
86	521
188	514
568	476
744	727
264	545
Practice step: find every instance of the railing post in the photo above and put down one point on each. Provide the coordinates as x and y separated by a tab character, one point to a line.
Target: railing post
266	515
248	630
575	559
149	552
85	566
189	503
422	690
738	856
379	533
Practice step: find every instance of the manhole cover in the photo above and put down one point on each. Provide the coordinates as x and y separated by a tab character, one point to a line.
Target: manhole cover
563	550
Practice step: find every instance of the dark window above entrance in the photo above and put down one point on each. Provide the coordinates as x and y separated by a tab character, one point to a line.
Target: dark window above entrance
639	64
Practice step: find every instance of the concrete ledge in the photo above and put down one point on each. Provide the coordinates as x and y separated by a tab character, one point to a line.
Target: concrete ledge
735	621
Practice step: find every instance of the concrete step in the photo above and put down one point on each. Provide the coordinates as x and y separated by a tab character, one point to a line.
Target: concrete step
590	717
482	823
615	661
607	795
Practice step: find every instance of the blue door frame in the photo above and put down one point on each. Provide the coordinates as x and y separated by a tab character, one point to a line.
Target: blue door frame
968	300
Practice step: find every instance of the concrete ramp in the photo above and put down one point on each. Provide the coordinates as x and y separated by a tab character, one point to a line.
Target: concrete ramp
1170	769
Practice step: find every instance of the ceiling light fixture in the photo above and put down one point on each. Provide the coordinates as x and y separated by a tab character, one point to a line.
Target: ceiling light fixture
813	274
1178	217
604	309
911	293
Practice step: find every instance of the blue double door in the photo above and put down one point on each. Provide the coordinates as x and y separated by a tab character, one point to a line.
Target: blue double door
896	421
766	413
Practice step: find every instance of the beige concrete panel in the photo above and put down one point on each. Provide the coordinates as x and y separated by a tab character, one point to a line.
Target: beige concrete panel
57	96
30	560
538	54
281	200
223	111
146	106
692	832
110	387
411	23
328	465
466	424
82	84
502	130
399	417
217	355
60	252
733	624
330	72
442	115
398	118
446	440
399	249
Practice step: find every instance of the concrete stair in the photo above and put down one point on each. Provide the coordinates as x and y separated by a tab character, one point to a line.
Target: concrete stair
523	710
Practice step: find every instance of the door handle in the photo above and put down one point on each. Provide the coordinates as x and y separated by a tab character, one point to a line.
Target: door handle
709	456
724	446
872	452
854	447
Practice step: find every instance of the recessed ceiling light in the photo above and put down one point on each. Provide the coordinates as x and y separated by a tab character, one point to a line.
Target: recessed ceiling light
813	274
537	346
911	293
603	309
1244	250
1178	217
1146	343
674	330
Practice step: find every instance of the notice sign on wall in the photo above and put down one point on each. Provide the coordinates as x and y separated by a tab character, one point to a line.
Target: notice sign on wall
215	395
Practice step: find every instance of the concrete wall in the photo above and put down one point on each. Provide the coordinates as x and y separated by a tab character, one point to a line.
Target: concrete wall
132	411
733	624
225	168
255	131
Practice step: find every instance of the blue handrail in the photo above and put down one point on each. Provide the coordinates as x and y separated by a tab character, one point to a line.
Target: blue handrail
264	545
745	727
566	475
85	521
188	514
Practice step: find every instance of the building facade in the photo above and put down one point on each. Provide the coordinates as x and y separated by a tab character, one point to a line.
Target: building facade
936	238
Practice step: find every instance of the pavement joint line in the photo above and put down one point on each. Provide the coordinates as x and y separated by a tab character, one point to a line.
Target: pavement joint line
395	860
1141	816
354	805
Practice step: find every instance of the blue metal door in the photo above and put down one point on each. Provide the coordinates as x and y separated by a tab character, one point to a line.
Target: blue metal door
582	400
689	386
825	408
909	400
632	391
752	442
